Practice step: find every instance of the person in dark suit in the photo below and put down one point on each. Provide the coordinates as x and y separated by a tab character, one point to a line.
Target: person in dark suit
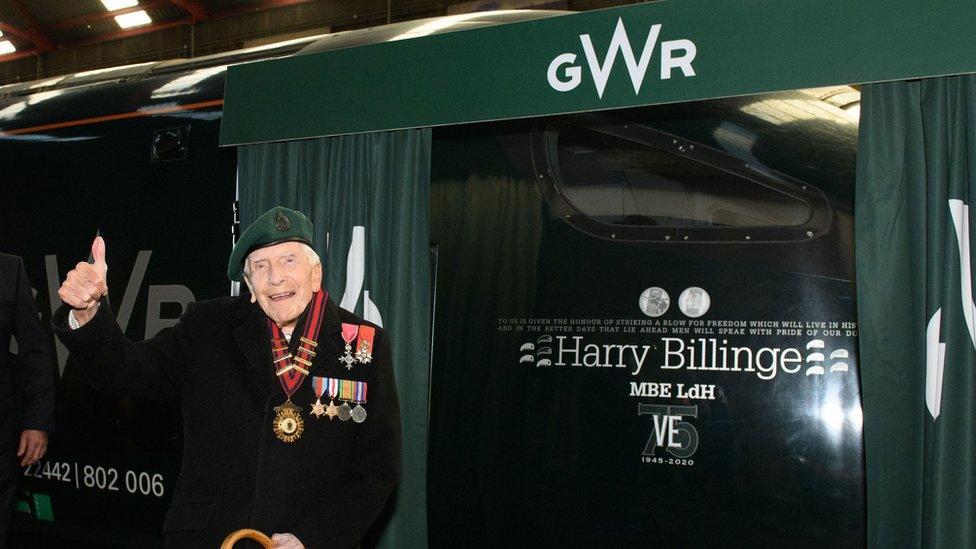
252	373
31	372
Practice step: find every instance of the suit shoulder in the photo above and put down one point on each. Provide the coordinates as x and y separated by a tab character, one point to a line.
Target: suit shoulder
9	261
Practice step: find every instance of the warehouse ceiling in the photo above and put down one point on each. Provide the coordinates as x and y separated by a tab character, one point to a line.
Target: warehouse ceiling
44	38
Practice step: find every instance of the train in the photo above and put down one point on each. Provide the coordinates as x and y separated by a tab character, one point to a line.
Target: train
644	324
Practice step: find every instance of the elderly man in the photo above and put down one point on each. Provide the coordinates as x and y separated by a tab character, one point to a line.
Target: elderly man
261	450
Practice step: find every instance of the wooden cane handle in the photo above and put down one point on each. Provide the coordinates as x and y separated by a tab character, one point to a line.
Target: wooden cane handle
246	533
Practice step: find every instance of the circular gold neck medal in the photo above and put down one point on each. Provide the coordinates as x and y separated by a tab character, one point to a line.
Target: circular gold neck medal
288	423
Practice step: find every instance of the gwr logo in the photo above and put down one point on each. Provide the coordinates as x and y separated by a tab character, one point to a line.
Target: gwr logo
564	75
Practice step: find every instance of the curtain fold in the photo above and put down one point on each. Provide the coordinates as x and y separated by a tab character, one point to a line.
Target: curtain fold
368	198
916	179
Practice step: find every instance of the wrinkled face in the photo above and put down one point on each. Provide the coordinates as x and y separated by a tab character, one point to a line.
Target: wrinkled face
282	280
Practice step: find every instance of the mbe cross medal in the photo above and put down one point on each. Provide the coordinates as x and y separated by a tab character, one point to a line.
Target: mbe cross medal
349	332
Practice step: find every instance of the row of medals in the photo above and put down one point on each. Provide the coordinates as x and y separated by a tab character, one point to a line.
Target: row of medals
345	413
288	422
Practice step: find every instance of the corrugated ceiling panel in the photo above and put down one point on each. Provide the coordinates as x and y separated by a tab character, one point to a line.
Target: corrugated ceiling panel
108	25
49	12
10	15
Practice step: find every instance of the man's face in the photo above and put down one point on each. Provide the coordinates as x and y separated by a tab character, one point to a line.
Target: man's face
282	280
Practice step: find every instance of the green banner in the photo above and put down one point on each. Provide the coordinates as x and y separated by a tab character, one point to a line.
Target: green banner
679	50
915	183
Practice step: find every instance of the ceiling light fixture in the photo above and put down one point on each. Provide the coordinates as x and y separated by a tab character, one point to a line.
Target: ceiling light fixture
112	5
6	47
134	19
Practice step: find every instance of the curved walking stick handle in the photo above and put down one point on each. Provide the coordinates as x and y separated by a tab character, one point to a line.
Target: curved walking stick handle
246	533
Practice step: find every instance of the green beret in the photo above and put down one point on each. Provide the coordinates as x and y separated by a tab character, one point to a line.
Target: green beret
277	225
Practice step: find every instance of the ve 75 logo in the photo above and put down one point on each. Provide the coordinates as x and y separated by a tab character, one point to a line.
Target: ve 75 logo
678	437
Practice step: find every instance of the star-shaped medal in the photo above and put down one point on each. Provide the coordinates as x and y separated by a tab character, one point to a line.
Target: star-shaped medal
348	359
331	410
318	410
364	355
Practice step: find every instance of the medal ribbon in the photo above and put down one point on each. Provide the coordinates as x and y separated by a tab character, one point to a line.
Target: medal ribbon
360	391
349	332
290	374
333	387
345	390
319	385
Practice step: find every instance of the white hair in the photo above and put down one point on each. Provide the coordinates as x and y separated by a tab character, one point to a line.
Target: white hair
313	259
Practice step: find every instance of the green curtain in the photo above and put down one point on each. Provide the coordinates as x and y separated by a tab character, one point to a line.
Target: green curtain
916	179
367	196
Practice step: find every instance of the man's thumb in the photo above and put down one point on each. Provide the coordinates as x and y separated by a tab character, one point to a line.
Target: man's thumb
98	255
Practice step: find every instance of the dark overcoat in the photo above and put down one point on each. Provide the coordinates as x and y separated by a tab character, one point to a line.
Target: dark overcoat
34	378
28	377
326	488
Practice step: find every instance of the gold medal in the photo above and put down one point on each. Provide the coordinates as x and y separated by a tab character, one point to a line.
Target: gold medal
332	410
318	410
288	423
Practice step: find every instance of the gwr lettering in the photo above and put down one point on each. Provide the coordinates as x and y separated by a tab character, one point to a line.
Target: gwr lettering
565	75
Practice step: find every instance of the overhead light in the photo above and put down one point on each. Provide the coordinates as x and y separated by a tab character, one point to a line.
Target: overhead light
6	47
1	33
134	19
112	5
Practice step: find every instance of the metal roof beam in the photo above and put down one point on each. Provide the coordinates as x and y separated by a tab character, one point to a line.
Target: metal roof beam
169	24
185	5
14	31
35	33
18	55
260	6
195	9
83	20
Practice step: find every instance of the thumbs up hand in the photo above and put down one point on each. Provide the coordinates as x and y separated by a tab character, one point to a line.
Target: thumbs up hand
98	256
86	284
